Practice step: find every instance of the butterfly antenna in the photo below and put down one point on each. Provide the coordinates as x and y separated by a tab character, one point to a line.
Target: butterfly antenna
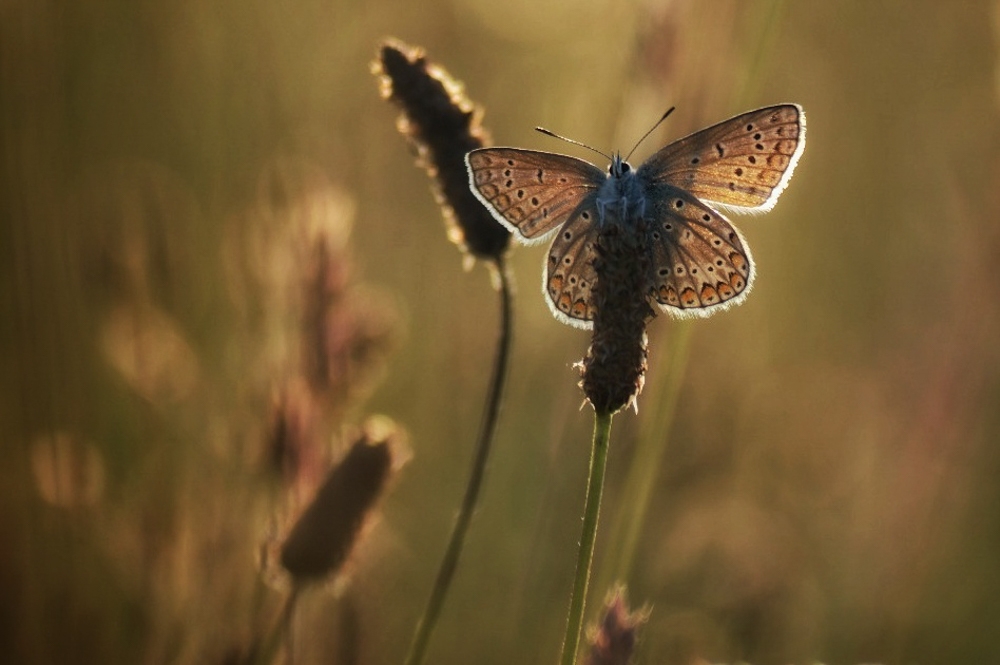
563	138
662	118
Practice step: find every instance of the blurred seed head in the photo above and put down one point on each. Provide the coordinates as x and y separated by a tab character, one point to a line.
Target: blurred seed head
613	639
346	332
322	538
68	472
292	279
269	243
614	368
150	353
293	448
443	125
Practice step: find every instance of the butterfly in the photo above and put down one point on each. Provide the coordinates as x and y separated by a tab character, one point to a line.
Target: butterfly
701	263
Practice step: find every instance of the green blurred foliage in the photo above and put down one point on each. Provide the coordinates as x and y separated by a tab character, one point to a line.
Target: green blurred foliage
828	490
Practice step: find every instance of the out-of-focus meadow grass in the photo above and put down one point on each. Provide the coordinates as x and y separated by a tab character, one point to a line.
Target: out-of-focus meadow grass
176	177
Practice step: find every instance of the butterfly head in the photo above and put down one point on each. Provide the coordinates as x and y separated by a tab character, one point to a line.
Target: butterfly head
618	166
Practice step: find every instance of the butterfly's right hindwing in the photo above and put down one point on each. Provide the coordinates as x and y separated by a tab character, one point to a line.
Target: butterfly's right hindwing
528	191
569	276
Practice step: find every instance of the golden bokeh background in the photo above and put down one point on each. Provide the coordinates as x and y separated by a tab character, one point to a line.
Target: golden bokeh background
828	488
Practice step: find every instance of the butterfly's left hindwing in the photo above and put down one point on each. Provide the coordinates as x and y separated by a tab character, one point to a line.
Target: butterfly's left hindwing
531	192
701	263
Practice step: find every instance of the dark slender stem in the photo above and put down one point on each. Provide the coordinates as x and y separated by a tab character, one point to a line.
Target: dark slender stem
487	431
268	648
288	628
591	513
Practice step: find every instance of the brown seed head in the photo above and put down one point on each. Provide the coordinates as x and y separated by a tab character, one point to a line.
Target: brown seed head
612	641
443	125
324	534
615	366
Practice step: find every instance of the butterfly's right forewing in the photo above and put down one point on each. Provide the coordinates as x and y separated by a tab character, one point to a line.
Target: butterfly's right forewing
528	191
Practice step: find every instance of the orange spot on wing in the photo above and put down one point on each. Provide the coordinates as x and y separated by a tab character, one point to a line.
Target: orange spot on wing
668	295
564	302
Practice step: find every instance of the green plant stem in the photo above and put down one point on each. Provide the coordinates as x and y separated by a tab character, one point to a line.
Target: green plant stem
487	431
591	513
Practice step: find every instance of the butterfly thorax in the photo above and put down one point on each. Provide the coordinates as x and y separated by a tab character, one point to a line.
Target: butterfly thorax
621	196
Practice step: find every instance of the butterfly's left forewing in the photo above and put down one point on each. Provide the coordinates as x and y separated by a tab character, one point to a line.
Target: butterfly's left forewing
531	192
742	163
702	265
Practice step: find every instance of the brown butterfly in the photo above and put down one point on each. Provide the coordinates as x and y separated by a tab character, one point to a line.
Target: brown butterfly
702	264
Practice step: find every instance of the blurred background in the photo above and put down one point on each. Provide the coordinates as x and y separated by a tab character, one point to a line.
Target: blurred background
217	259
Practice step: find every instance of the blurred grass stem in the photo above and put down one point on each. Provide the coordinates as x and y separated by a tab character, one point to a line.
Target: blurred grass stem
487	431
591	513
653	441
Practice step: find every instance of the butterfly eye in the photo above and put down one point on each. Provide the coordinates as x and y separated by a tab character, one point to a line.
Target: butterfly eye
626	167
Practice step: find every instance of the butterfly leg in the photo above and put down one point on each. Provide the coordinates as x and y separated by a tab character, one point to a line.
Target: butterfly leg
639	208
601	206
